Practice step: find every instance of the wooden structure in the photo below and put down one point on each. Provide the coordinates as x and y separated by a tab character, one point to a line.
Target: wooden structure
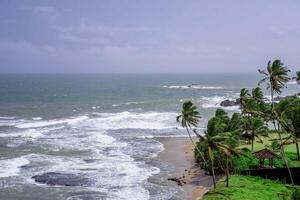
265	154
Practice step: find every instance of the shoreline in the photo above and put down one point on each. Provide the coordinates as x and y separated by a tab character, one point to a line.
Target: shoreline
179	153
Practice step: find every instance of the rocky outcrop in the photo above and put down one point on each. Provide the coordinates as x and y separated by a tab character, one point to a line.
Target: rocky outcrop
54	178
227	103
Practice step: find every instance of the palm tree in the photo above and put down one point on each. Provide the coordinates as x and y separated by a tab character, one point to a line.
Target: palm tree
297	77
244	95
221	136
291	115
252	128
189	118
276	76
215	143
257	94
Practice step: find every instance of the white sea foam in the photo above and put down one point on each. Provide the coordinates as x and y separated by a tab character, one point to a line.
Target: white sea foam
11	121
134	103
11	167
215	101
37	118
292	83
7	117
193	87
43	123
130	120
30	133
212	102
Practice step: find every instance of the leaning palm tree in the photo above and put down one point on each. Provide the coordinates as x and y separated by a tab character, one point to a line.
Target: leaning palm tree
254	128
215	143
276	76
189	118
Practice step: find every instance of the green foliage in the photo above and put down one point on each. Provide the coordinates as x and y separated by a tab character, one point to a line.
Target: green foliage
244	161
276	76
250	188
296	194
189	116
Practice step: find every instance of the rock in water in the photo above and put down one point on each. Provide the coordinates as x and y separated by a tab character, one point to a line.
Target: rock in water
227	103
53	178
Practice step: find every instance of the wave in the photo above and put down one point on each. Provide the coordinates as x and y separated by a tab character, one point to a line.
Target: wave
134	102
7	117
292	83
131	120
37	118
193	87
212	102
30	133
11	167
215	101
43	123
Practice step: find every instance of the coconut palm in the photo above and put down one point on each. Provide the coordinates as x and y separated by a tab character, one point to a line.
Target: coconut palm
254	128
297	77
189	119
276	76
221	137
292	117
257	94
211	144
244	95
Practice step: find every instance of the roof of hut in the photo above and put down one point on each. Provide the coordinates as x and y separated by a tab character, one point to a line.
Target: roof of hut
265	153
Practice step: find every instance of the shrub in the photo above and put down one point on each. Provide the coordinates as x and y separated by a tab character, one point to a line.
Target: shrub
296	194
245	161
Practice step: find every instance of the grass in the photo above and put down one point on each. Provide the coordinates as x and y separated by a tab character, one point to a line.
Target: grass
266	141
250	188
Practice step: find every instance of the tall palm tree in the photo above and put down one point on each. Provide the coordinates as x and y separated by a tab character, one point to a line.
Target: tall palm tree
189	118
276	76
252	128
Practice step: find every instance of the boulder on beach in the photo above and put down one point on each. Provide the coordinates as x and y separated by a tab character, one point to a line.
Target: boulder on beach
227	103
54	178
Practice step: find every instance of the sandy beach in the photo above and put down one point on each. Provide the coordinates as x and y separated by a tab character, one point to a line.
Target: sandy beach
179	153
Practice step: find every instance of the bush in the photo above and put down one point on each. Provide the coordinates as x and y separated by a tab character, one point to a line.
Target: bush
291	156
245	161
296	194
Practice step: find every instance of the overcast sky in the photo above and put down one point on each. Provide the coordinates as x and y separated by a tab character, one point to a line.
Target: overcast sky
147	36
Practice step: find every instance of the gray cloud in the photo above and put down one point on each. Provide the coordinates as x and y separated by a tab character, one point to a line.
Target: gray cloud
144	37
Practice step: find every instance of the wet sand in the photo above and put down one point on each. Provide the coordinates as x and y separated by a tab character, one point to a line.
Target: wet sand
179	153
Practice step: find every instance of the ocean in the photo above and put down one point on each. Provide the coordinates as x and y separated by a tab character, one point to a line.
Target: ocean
101	128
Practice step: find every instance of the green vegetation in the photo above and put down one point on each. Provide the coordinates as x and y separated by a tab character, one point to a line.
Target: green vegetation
250	188
227	145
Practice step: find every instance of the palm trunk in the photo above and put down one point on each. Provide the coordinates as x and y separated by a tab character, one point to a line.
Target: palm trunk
213	174
196	146
281	143
272	101
284	158
298	153
252	144
227	172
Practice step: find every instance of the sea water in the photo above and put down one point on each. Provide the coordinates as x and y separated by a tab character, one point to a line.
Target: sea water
103	128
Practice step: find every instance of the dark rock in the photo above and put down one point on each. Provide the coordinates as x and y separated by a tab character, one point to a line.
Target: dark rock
227	103
179	183
53	178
